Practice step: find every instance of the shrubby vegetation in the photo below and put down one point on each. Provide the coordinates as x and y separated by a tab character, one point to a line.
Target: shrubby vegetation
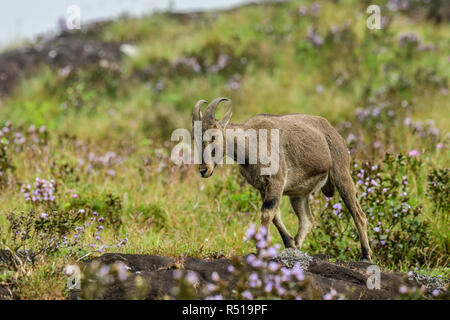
84	152
258	277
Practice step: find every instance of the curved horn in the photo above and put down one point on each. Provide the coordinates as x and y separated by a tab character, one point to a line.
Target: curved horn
211	108
197	114
226	118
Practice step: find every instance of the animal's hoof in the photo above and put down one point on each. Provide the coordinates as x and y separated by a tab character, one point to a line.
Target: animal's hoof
365	260
288	242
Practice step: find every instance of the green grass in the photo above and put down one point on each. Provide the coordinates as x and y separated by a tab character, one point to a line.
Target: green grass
172	211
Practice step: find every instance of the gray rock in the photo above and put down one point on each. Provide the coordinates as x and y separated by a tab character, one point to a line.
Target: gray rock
289	257
431	283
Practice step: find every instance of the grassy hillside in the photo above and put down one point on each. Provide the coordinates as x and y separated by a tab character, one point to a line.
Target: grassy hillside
99	137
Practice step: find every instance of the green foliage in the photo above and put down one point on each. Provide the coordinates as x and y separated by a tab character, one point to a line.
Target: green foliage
31	235
5	162
439	189
234	194
64	170
97	136
399	232
154	214
113	210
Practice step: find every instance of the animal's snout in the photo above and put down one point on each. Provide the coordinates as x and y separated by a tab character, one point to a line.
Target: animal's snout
203	171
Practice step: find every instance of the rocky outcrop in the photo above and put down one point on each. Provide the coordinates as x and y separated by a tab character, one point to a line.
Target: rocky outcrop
348	279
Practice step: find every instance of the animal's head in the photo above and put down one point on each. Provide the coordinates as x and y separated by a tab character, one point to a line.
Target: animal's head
214	133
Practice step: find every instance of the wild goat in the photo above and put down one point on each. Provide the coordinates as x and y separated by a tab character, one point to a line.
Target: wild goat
312	157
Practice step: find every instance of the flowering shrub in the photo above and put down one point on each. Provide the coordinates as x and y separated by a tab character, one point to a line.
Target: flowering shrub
91	162
427	132
21	139
257	277
92	228
96	277
439	189
6	165
214	57
15	140
434	10
113	210
314	38
108	205
32	234
64	170
42	192
398	232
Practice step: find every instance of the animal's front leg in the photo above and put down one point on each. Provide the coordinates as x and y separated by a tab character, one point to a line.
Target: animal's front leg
270	212
287	239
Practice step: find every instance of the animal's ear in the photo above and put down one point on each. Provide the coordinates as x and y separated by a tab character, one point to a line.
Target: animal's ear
197	114
226	118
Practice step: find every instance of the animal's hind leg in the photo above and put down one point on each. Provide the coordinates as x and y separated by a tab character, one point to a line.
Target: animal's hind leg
305	219
328	188
347	190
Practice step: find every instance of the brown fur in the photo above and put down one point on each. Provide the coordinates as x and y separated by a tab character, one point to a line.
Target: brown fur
312	156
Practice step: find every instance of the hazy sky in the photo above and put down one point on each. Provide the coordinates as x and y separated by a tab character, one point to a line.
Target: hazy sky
27	18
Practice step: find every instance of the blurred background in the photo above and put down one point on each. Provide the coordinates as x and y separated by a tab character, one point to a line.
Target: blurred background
24	19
